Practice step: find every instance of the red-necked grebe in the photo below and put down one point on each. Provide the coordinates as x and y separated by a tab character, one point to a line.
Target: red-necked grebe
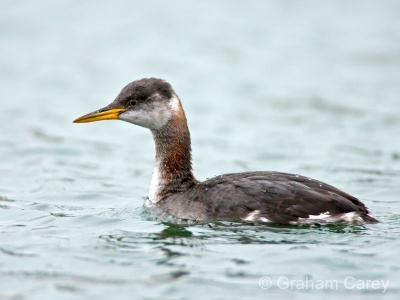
250	196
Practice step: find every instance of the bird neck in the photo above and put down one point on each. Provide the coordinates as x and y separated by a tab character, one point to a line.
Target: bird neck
173	167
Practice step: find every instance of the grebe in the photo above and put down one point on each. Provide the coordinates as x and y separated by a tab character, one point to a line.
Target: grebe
249	196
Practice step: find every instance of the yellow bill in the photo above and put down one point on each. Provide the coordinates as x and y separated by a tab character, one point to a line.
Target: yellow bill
110	114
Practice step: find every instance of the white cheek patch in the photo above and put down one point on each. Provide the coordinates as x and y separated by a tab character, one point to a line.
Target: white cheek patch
152	118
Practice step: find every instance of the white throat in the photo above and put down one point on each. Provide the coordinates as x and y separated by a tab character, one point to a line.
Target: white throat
157	183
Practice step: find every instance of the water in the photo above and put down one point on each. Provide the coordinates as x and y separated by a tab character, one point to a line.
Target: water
305	87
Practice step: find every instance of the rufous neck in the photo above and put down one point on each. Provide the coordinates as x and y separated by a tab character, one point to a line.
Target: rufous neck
173	166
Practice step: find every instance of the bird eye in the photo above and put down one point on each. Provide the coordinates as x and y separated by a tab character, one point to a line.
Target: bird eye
132	102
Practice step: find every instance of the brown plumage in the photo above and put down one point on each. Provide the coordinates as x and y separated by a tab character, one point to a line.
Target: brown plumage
251	196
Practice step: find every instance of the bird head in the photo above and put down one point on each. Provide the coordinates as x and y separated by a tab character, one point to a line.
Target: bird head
148	102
